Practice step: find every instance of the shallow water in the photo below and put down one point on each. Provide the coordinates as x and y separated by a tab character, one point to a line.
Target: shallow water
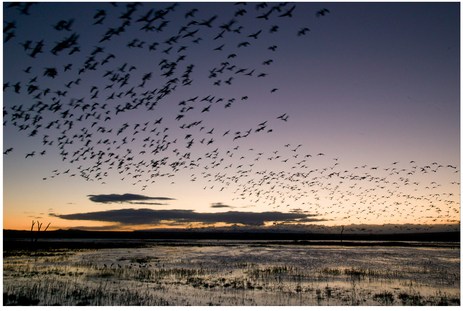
248	274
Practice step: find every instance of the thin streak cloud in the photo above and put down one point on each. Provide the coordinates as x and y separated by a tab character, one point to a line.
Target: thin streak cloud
125	198
221	205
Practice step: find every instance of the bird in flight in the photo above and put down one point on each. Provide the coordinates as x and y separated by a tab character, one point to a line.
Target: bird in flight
283	117
288	12
208	22
8	150
322	12
302	31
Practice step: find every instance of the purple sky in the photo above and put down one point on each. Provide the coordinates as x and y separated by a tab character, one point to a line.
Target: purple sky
371	91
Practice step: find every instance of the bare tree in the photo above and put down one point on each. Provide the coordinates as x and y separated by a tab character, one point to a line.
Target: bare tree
39	226
32	234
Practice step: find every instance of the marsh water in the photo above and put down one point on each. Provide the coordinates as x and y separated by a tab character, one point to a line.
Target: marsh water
237	273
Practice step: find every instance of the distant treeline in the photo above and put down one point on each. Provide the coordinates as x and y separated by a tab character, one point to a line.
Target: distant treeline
230	235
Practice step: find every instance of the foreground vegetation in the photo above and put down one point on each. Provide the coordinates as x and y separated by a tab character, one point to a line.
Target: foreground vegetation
181	276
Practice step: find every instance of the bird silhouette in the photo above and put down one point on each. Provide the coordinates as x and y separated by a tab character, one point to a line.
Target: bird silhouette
288	13
322	12
208	22
8	150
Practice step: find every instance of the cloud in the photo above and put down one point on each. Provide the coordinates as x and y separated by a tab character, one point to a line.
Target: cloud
98	228
153	217
127	197
33	214
221	205
147	203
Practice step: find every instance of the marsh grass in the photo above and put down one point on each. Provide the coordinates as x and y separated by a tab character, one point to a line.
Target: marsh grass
386	298
268	270
410	299
361	272
146	280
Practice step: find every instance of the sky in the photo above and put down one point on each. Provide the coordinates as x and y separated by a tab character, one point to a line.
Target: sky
304	115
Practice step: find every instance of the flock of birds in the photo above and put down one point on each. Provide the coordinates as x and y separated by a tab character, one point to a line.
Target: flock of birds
119	123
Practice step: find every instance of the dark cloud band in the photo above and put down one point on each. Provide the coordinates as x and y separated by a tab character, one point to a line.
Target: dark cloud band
153	217
120	198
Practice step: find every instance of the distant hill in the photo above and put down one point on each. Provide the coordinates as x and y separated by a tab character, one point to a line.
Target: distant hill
231	235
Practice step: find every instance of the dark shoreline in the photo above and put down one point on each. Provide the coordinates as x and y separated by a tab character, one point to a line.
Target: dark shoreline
231	235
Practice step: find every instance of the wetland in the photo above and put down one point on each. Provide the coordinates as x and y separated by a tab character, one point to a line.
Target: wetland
230	273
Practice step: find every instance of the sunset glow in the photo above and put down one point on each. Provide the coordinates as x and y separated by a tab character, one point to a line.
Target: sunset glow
191	115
